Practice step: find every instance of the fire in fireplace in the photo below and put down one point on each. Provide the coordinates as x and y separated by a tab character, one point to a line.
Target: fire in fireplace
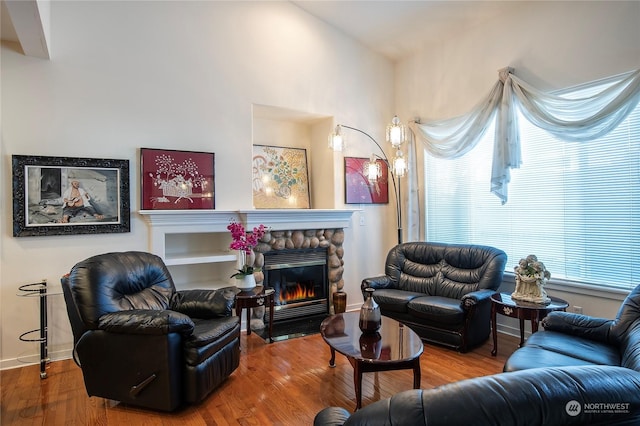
299	278
299	291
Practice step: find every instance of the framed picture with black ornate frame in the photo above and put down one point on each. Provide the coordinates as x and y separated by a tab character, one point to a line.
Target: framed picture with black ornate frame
67	196
358	188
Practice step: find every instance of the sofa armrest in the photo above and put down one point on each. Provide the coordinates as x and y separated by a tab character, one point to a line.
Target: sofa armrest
593	328
205	304
382	281
475	298
331	416
150	322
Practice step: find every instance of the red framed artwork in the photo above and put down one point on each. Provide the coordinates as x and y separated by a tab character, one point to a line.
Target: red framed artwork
177	180
358	189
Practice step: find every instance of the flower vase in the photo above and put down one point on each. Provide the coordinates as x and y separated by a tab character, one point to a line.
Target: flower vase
245	282
370	317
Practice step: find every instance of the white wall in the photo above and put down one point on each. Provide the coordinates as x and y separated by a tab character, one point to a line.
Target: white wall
184	75
175	75
550	44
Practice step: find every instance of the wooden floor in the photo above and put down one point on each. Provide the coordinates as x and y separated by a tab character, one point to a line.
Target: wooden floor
283	383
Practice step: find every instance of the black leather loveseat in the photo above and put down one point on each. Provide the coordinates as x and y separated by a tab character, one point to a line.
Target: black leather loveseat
140	341
442	291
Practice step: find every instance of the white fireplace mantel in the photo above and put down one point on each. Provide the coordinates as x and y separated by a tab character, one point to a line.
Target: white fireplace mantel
211	225
200	237
276	219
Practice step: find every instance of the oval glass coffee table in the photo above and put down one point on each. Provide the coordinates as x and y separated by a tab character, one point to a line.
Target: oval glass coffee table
394	347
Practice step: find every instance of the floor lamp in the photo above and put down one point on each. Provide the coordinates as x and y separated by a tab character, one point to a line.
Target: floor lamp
396	135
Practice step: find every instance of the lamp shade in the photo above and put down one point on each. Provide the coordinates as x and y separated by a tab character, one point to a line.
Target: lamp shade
396	132
399	164
372	169
336	141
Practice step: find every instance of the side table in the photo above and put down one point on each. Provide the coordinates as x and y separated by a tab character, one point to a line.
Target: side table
39	290
503	304
254	298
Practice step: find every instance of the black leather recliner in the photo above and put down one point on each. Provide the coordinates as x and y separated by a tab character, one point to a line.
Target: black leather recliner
442	291
141	342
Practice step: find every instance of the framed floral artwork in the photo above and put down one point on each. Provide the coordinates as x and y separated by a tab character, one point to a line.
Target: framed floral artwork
280	178
69	196
177	180
358	189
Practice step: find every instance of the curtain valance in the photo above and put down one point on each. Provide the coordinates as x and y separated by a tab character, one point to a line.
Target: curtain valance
568	119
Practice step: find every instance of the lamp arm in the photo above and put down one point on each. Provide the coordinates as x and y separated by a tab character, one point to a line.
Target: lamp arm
396	189
384	156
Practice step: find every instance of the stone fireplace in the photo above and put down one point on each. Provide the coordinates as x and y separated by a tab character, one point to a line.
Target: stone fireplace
308	263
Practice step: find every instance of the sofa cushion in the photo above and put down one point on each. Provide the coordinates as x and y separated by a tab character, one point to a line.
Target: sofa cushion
210	336
437	309
394	300
587	350
553	349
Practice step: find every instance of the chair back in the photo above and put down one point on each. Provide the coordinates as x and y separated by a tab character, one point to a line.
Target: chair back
447	270
119	281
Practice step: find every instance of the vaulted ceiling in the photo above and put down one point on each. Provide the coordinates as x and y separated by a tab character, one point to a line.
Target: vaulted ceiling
394	28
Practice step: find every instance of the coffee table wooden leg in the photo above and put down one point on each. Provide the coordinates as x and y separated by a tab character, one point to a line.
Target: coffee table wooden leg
357	383
417	375
332	361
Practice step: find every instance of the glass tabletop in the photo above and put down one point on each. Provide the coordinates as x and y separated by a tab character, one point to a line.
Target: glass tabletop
394	341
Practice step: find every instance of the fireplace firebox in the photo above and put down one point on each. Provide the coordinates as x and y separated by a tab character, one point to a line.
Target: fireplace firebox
299	278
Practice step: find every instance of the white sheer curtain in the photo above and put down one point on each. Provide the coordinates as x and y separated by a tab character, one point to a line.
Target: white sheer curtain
567	119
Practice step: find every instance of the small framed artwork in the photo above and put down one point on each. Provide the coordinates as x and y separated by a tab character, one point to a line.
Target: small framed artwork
67	196
358	189
177	180
280	178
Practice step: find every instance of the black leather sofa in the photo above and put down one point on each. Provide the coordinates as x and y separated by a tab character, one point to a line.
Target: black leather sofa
140	341
579	370
441	290
570	339
560	396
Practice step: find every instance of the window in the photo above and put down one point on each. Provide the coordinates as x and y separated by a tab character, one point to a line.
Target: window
576	205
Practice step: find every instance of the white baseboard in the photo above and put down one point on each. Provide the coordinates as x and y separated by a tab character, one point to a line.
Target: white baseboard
33	359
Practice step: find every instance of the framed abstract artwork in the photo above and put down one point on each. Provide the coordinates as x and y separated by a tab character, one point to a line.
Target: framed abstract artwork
280	178
358	189
177	180
67	196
